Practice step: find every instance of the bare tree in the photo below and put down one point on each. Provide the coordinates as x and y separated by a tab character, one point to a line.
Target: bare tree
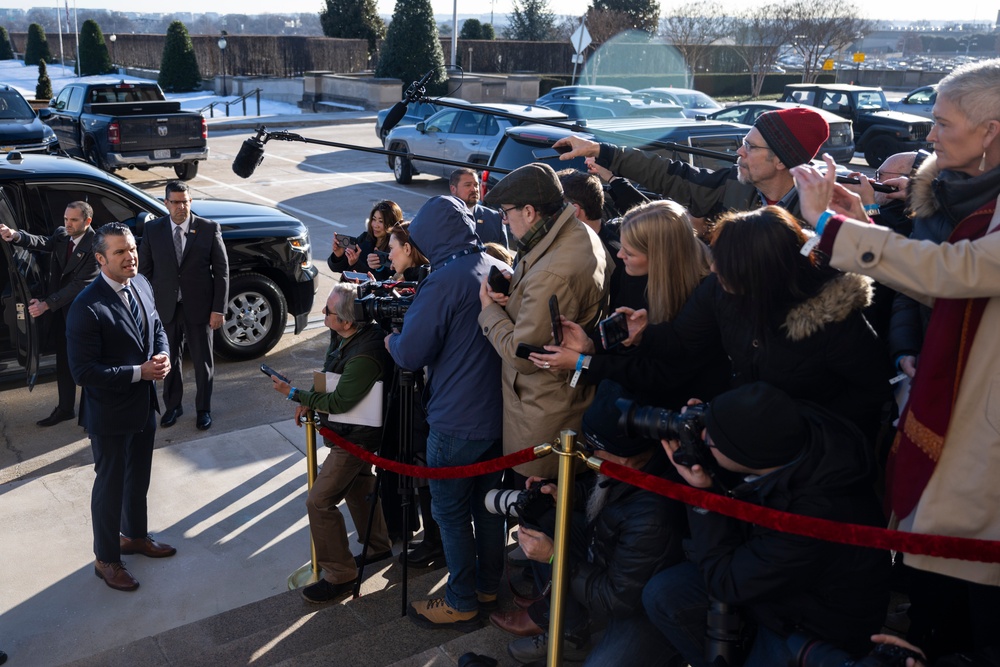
822	29
759	33
604	24
692	27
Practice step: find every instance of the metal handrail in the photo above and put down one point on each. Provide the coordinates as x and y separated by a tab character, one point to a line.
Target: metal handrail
210	108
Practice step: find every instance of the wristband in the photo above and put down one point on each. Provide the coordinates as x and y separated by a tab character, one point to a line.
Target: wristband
822	220
552	557
291	394
579	370
872	209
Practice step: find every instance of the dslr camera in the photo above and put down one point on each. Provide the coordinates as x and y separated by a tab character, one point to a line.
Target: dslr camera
812	652
643	421
384	301
531	506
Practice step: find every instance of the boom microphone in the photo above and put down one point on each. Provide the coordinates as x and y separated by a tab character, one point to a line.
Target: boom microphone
250	156
412	94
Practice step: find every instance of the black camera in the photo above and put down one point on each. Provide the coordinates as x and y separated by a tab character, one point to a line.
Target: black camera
531	506
385	301
812	652
643	421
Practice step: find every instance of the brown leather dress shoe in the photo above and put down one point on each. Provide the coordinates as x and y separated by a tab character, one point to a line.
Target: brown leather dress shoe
516	622
115	575
145	546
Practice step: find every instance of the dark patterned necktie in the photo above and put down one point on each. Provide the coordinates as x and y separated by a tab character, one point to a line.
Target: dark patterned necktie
134	307
178	244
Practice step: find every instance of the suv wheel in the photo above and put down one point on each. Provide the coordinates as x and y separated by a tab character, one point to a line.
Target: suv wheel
878	149
254	319
186	170
401	168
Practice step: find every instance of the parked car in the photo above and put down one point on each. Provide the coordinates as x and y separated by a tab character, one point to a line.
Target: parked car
21	129
694	102
128	124
562	92
518	145
271	274
918	102
415	112
593	107
455	134
878	132
840	144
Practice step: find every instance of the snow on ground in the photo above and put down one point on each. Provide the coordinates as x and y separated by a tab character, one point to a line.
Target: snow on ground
24	79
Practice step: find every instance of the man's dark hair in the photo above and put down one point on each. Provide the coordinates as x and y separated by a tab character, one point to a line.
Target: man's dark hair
584	190
176	186
457	175
110	229
83	207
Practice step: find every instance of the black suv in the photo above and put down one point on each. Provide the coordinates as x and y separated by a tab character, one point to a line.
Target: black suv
518	145
271	274
878	132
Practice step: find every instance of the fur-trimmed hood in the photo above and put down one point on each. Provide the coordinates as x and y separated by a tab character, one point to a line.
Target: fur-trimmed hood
839	297
954	195
922	201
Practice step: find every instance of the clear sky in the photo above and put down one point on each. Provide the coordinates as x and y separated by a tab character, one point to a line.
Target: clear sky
958	10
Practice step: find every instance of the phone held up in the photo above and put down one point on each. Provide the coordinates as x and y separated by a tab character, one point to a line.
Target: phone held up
556	322
523	350
268	371
345	241
614	330
498	282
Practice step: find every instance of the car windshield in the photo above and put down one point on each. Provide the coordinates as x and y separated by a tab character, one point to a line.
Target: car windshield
697	101
14	107
872	100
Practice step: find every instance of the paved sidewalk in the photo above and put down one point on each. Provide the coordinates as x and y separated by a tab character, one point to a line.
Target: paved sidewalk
222	123
232	504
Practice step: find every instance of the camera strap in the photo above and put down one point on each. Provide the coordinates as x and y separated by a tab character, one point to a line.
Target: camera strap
462	253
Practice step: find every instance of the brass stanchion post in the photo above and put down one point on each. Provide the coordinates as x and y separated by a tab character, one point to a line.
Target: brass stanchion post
308	573
560	572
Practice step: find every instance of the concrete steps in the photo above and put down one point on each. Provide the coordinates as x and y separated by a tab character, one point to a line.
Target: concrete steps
286	631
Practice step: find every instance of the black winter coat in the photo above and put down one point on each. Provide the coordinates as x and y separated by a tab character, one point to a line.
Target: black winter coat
636	534
366	242
796	584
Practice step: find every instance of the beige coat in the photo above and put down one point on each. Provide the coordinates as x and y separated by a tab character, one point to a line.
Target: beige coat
572	263
962	497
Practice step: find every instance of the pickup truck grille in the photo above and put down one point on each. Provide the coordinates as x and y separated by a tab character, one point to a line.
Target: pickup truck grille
153	132
921	130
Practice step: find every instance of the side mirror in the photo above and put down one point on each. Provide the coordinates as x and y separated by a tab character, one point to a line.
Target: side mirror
420	127
45	113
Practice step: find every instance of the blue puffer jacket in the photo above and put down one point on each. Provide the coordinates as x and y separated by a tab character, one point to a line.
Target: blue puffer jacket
441	331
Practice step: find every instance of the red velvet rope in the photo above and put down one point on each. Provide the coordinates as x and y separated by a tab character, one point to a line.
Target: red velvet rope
941	546
452	472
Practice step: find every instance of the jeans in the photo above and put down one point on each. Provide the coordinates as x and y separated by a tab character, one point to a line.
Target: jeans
475	558
676	601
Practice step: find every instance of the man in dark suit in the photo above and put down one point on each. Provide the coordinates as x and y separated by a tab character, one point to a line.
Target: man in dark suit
71	268
464	184
117	350
184	258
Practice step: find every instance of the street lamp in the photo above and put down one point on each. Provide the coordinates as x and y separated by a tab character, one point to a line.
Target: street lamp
222	47
113	38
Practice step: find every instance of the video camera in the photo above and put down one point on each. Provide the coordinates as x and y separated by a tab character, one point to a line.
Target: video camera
643	421
812	652
384	301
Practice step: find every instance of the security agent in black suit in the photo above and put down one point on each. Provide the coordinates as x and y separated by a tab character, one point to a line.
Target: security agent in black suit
71	268
117	350
184	258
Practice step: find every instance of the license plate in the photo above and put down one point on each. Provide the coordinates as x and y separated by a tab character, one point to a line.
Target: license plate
162	154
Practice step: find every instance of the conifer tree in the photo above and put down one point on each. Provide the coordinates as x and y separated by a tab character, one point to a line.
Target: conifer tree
37	47
412	47
94	57
353	19
6	49
179	66
43	90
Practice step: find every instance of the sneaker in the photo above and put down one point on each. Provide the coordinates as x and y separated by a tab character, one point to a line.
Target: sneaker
437	614
487	602
529	649
323	591
424	554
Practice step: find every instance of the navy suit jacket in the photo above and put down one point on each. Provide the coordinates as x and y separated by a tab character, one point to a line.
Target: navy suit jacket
489	225
202	276
103	343
66	279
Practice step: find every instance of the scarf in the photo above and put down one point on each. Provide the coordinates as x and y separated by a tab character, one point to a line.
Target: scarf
924	423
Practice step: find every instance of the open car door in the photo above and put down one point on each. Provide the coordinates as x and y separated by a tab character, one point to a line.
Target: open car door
14	300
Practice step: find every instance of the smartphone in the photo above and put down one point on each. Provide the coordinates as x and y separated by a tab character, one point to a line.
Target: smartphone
383	257
523	350
268	371
613	330
556	322
497	281
346	241
545	154
354	275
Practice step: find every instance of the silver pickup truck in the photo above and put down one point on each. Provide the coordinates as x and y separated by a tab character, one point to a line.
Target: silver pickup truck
127	125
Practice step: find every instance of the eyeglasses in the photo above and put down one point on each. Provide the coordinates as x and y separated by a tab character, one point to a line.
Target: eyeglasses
179	202
505	211
326	312
748	147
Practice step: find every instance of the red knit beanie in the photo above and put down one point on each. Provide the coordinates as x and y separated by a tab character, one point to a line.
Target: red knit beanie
795	135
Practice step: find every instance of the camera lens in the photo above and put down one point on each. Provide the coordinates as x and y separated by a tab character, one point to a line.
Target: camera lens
502	501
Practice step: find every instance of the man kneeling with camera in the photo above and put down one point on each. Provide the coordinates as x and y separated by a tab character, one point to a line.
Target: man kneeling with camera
791	456
621	536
